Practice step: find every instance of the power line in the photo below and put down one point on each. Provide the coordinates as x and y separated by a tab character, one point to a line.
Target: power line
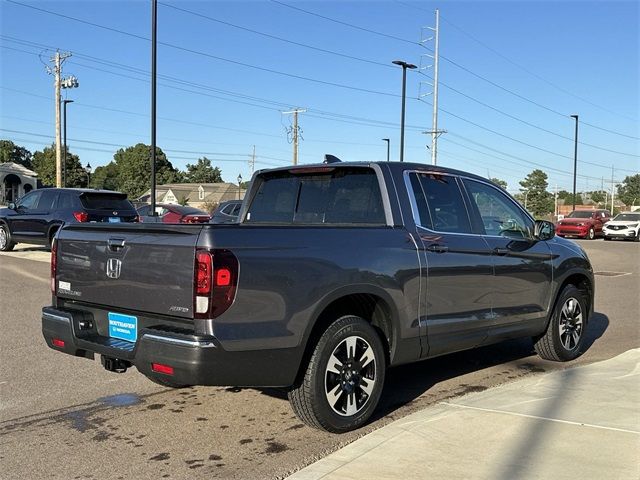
274	37
208	55
351	25
533	74
513	117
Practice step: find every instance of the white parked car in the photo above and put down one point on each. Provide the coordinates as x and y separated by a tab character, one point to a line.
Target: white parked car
624	225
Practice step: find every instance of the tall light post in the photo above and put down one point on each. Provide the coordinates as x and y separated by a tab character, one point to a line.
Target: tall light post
388	143
404	66
88	170
64	143
575	161
239	185
154	28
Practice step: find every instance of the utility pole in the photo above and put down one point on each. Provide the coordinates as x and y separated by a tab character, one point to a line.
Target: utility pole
154	56
613	190
252	162
58	59
64	145
575	161
295	132
555	201
435	133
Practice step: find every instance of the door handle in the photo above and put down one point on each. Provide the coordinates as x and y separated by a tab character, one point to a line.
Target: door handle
438	248
500	251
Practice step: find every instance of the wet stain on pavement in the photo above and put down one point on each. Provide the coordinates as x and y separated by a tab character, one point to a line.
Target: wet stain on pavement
295	427
161	456
121	400
155	406
213	457
275	447
244	441
530	367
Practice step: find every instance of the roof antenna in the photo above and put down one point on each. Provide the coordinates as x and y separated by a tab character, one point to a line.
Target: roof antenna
331	159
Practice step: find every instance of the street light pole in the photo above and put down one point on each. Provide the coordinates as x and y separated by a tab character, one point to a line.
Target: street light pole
154	27
575	161
388	142
404	66
64	153
88	170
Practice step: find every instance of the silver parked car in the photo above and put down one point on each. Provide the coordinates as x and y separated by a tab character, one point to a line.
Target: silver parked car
624	225
227	212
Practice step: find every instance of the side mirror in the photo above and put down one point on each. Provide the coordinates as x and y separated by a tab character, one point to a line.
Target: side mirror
12	206
544	230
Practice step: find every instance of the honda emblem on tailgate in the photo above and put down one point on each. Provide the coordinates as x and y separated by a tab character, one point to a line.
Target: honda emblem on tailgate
113	268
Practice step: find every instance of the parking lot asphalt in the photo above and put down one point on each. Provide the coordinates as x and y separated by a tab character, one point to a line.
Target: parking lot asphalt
69	413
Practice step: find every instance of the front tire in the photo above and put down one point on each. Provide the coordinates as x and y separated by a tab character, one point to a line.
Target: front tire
343	381
565	333
6	244
591	234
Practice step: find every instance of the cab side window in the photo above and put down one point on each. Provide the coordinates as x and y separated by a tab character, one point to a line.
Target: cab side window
500	215
439	203
47	200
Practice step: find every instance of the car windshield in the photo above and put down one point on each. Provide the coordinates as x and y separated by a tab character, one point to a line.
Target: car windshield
627	217
580	214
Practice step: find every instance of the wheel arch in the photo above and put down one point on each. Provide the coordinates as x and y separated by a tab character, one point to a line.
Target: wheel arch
583	281
368	302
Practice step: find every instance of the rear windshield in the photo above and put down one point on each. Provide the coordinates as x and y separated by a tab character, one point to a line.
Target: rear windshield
327	196
105	201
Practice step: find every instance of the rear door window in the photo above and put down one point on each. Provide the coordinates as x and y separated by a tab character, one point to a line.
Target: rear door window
326	196
47	200
105	201
66	201
439	203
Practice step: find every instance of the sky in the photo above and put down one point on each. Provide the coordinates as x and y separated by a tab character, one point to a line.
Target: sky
511	74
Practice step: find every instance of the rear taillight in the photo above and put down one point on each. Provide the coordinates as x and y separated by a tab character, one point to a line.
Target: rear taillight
81	216
54	264
215	281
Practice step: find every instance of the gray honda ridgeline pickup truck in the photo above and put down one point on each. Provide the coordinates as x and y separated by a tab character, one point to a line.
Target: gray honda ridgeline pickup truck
334	272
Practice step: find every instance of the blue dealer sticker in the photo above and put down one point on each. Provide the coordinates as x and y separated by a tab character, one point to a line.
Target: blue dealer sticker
124	327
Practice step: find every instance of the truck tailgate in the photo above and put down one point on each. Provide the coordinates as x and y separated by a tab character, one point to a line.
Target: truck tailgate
136	267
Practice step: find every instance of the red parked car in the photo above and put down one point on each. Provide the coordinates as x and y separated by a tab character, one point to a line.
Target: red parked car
583	224
170	213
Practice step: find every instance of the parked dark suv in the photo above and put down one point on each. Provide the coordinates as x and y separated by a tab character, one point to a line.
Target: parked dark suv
36	217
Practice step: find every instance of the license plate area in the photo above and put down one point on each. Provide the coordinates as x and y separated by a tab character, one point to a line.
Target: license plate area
123	327
114	220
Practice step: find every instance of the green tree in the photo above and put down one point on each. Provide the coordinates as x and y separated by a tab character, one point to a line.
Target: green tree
134	169
597	196
202	172
629	190
44	164
106	177
501	183
10	152
535	195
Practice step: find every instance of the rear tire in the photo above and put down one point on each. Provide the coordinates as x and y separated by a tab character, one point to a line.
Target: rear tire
343	381
6	244
637	237
566	330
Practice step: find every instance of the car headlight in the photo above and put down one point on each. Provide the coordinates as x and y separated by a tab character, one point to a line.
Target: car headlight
580	224
634	225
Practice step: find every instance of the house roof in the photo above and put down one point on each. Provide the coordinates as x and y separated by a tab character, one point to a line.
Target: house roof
11	167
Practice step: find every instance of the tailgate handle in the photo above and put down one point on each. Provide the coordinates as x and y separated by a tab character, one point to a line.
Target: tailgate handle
115	244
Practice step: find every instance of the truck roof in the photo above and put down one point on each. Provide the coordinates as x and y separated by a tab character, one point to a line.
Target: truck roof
394	166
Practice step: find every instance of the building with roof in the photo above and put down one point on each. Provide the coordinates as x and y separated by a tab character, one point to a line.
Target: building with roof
198	195
15	181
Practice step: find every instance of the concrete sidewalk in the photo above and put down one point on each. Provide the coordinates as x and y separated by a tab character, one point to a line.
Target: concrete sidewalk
581	422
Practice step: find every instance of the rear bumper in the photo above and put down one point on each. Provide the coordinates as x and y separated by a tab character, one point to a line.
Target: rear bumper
195	359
